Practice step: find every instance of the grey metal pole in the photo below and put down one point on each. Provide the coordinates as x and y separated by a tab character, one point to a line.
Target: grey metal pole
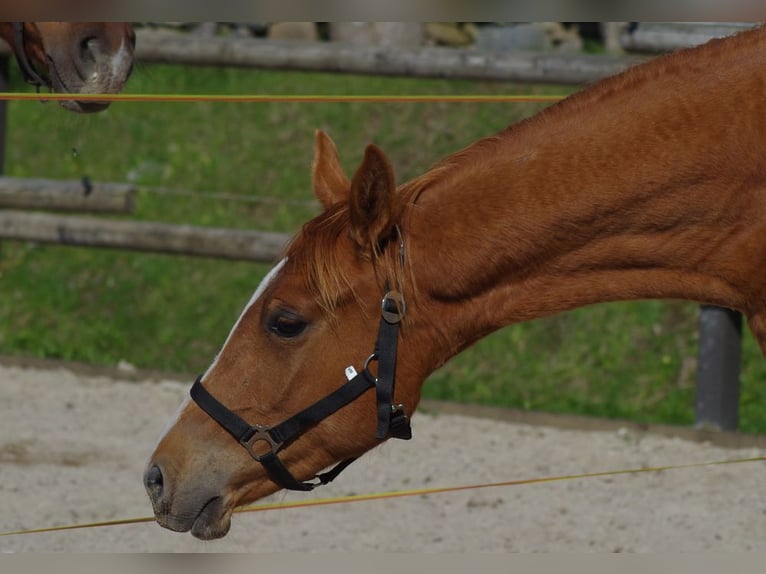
4	82
718	368
4	68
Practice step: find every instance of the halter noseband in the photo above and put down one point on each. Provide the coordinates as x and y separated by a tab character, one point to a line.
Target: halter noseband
28	71
264	442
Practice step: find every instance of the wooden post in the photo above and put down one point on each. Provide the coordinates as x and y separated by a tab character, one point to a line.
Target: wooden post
718	367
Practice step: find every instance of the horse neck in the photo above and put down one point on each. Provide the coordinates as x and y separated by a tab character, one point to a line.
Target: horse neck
652	185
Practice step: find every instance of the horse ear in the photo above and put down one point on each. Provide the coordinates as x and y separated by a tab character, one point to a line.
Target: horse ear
373	206
331	185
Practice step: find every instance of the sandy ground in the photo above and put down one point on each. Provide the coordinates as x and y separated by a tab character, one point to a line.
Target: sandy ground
73	447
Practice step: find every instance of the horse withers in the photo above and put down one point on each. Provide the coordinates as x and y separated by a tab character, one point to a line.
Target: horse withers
73	57
651	184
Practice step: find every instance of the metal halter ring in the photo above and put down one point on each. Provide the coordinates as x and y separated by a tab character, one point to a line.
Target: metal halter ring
370	359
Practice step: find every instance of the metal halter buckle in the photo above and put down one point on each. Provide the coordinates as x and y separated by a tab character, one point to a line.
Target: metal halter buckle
400	423
260	434
393	307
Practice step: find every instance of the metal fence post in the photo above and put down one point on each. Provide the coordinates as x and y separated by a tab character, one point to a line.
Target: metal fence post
718	367
4	81
4	86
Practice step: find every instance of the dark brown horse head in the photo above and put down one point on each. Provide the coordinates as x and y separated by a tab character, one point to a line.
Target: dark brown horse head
314	315
73	57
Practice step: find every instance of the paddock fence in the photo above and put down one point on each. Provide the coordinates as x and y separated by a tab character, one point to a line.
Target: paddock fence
718	370
155	237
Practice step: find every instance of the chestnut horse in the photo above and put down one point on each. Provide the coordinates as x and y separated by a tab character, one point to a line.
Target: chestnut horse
73	57
651	184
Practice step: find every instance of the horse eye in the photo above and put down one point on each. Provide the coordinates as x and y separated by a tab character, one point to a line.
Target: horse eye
287	325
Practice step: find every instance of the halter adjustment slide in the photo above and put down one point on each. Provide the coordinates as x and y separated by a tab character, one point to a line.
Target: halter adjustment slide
260	434
399	423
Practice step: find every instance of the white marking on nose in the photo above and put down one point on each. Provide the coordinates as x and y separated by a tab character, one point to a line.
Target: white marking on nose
119	61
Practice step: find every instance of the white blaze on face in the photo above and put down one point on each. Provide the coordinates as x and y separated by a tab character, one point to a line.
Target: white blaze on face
258	292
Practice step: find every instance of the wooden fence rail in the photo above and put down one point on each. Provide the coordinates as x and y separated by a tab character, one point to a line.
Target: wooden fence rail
168	238
432	61
66	195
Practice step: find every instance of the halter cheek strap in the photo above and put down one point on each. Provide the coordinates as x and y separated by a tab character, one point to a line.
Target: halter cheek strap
264	442
27	68
391	417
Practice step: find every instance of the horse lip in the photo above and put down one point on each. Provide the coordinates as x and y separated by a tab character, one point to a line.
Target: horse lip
210	521
213	520
83	107
56	83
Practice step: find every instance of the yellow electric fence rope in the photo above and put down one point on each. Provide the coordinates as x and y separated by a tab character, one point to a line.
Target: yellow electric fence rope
403	493
269	98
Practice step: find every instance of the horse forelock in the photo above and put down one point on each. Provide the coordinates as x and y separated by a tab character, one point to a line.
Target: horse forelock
315	256
321	254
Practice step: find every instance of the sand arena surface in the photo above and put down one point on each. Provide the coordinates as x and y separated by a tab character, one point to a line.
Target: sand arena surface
73	448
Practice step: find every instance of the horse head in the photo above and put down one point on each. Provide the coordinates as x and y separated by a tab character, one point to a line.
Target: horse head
74	57
314	315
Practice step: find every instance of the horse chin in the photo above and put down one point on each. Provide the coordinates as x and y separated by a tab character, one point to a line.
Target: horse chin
213	521
83	107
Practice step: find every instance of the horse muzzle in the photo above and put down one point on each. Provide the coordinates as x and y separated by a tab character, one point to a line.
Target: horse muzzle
199	509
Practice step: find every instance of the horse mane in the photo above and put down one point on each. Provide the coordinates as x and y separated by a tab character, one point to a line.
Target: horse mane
669	65
317	249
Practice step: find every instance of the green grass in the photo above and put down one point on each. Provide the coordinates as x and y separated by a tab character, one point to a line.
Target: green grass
628	360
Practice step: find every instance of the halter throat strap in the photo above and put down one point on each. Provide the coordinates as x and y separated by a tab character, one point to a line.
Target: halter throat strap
264	442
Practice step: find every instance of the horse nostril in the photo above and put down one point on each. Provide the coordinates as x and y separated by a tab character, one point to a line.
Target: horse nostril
89	46
153	481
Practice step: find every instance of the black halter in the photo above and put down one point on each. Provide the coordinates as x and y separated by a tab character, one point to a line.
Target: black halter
264	442
28	71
